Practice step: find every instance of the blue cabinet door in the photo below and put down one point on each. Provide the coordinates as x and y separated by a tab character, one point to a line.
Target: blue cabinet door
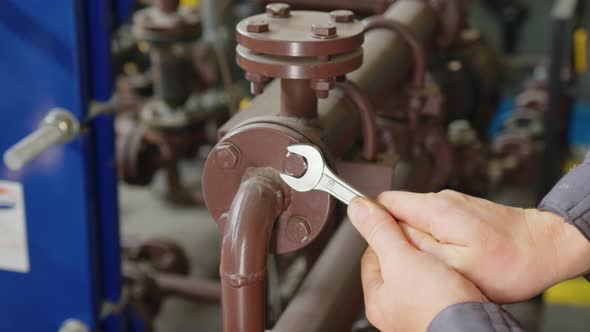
43	64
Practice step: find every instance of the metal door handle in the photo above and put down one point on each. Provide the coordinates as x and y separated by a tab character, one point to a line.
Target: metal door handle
58	127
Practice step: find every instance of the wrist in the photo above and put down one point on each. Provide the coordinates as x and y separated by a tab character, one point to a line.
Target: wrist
570	247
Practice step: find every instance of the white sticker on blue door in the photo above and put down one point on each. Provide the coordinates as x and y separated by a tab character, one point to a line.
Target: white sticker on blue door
14	252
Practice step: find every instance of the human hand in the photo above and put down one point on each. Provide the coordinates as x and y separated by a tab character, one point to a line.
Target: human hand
511	254
404	288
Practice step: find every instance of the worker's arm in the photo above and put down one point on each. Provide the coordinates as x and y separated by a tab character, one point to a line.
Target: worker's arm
404	288
570	198
511	254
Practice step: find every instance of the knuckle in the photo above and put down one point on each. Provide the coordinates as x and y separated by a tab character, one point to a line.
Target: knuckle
384	196
451	194
375	231
443	204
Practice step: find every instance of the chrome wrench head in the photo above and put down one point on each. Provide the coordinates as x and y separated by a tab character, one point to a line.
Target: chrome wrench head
315	168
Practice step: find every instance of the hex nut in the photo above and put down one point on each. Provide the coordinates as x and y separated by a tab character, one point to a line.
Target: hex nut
257	25
256	82
342	16
227	155
322	87
294	164
324	30
279	10
298	230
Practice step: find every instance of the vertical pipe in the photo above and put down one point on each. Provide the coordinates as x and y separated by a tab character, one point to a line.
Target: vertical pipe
330	298
245	237
173	72
298	99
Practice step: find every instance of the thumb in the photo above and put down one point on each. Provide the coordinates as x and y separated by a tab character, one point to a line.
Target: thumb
377	226
371	277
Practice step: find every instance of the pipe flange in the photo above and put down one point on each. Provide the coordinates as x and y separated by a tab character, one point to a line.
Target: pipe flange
264	145
309	68
155	25
300	34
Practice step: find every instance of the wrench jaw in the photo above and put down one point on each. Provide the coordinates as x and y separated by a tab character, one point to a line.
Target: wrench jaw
296	183
315	168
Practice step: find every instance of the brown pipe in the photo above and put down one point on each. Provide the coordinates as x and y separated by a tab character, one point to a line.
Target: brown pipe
368	122
380	22
245	237
298	99
189	288
330	298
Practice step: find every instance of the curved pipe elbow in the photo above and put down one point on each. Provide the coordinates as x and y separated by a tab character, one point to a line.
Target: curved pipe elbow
245	240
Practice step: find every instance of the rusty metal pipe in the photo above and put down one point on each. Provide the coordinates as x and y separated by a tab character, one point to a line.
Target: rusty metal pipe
330	298
245	237
380	22
368	117
298	99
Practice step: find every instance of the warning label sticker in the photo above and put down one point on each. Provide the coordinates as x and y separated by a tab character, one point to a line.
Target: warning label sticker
14	252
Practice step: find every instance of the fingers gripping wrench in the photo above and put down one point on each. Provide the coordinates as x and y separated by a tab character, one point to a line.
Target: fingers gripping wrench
318	176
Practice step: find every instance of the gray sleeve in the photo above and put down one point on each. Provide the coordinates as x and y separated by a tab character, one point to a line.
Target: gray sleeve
570	197
474	316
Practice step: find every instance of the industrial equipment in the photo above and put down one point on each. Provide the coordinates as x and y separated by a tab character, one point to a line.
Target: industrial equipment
349	97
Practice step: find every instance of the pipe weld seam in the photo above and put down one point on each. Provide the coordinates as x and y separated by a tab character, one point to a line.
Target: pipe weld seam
243	279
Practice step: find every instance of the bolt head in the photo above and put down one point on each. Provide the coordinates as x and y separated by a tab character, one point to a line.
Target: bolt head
256	88
342	16
256	83
322	87
257	25
280	10
298	230
294	165
227	155
324	30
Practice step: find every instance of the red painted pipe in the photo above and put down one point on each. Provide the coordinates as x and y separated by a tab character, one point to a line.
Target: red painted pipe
245	237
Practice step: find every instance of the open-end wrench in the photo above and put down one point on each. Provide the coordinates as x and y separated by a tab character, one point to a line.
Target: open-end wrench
318	176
